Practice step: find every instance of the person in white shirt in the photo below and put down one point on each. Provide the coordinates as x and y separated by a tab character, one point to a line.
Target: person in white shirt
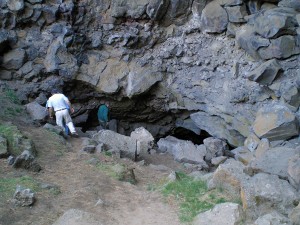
59	104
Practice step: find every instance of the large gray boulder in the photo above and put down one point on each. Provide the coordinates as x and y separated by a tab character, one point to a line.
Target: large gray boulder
214	18
14	59
36	111
183	151
275	161
217	127
274	22
250	41
236	14
132	8
295	215
266	73
275	122
229	176
121	144
280	48
77	217
15	5
273	218
263	193
294	4
143	138
221	214
214	147
293	171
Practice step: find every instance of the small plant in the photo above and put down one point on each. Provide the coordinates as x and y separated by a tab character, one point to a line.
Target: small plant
106	153
11	95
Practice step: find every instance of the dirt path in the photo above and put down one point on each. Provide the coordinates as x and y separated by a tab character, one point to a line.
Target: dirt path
87	188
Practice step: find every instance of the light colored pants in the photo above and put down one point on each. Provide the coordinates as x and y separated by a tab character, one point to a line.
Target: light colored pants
63	115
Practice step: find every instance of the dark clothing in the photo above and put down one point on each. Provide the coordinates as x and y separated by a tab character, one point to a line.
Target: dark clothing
103	113
103	116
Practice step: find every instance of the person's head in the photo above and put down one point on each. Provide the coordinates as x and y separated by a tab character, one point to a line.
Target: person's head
54	91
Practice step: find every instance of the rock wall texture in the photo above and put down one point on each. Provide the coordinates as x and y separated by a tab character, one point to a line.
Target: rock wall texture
213	62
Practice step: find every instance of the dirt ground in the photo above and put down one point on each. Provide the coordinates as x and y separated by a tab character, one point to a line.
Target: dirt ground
83	186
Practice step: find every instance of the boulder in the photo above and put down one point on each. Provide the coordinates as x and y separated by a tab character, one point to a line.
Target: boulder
275	122
229	2
128	8
236	14
273	218
214	18
36	111
121	144
292	96
294	4
293	171
217	127
26	161
248	40
143	138
183	151
229	176
280	48
263	146
224	213
77	217
214	147
266	73
15	5
274	22
243	155
264	193
295	215
14	60
275	161
251	142
23	196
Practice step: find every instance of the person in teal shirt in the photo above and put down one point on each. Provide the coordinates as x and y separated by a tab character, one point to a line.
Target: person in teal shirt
103	115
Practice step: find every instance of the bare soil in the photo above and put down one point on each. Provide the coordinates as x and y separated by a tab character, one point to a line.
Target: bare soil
85	187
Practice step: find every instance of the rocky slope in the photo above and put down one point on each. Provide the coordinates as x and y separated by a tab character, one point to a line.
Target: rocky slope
201	65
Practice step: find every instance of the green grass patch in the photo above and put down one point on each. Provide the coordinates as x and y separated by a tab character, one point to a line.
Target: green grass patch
13	136
193	196
8	186
10	104
11	95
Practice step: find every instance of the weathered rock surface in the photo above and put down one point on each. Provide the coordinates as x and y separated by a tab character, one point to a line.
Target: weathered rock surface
23	196
36	111
264	193
276	122
77	217
221	214
123	145
183	151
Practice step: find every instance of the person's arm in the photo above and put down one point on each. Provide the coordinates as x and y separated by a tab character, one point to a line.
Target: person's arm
70	106
51	112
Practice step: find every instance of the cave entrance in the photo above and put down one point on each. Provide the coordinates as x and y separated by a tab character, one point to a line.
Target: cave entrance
91	122
185	134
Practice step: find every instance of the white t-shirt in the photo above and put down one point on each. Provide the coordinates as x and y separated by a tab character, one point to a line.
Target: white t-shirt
58	102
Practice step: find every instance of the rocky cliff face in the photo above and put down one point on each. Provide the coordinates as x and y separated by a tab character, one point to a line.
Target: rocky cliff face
198	64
